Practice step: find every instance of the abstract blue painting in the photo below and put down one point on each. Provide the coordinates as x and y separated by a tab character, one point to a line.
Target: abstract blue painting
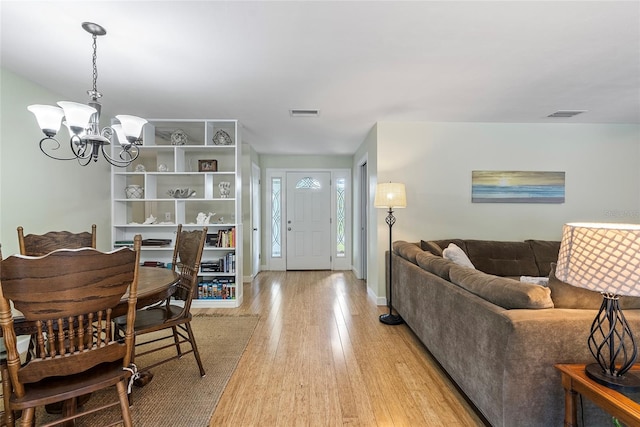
517	187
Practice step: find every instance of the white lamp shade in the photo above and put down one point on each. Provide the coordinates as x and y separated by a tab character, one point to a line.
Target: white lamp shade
49	117
77	115
390	195
122	138
131	125
601	257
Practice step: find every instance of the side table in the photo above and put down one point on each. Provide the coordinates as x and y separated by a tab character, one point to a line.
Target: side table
575	381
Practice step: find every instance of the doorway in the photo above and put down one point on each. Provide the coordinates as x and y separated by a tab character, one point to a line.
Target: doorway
318	212
364	219
308	220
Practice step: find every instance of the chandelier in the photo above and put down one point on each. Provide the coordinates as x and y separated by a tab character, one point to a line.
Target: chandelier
87	141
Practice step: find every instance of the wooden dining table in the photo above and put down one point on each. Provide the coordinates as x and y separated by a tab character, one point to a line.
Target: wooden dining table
154	284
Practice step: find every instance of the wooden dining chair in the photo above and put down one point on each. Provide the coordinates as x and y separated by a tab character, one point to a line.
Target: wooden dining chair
187	255
42	244
22	343
67	297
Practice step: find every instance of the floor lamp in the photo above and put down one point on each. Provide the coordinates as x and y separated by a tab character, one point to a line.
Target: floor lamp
390	195
606	258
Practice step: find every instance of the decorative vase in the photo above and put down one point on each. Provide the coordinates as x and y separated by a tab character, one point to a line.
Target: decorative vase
133	191
222	138
225	189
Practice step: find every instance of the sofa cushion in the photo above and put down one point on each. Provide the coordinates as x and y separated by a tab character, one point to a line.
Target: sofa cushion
442	244
457	255
431	247
435	264
502	258
406	250
565	295
506	293
545	252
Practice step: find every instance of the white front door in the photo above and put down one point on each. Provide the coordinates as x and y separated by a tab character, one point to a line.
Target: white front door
308	221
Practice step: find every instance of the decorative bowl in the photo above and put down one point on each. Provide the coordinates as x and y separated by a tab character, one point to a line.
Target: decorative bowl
181	193
133	191
222	138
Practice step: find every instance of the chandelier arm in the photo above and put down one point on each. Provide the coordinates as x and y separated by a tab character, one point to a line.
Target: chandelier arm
126	160
84	161
79	148
58	146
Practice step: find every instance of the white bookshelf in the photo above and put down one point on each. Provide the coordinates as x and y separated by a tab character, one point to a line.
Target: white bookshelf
129	215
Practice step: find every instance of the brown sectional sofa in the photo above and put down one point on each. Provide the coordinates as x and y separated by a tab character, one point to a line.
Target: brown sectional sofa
496	337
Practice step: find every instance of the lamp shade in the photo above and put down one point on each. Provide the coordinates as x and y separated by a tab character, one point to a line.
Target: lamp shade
77	115
390	195
49	117
122	138
601	257
131	126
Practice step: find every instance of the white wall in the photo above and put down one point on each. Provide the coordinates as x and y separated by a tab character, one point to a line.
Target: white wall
435	161
368	150
37	192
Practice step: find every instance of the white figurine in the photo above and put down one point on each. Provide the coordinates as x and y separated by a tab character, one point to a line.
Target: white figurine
203	219
151	220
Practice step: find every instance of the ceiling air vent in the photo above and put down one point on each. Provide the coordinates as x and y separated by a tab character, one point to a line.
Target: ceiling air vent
566	113
304	113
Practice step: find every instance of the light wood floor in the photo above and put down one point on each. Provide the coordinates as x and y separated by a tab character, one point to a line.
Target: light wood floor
320	357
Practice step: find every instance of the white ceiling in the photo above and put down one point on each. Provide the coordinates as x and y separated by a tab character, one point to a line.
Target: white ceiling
358	62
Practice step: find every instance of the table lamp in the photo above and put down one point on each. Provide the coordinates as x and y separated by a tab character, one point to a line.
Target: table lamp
390	195
605	257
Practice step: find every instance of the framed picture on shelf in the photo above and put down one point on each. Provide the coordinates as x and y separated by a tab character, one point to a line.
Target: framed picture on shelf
207	165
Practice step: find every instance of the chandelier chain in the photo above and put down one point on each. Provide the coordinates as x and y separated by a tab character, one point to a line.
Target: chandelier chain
95	94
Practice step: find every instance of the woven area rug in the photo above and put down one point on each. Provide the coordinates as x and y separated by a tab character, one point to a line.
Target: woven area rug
177	395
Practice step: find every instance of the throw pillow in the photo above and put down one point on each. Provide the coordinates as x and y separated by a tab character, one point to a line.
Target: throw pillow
457	255
431	247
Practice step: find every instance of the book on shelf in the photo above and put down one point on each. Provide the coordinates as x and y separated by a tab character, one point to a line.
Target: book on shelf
123	244
222	239
226	264
217	288
156	242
